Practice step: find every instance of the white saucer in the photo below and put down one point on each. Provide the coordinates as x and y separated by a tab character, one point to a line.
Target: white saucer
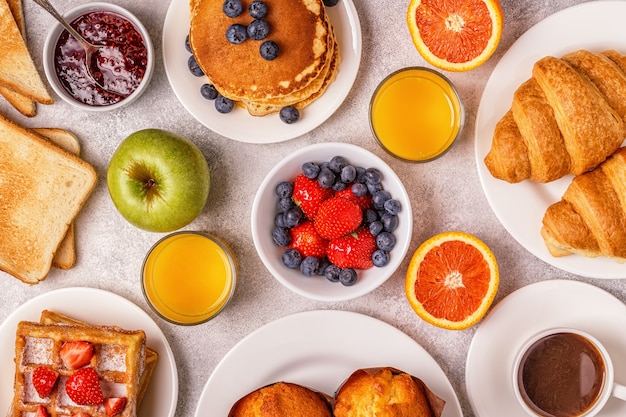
526	311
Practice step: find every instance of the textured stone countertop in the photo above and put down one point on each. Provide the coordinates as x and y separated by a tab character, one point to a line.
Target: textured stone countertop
445	194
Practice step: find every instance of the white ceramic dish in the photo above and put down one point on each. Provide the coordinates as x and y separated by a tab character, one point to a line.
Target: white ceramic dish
264	209
520	207
546	304
96	307
58	29
319	349
239	125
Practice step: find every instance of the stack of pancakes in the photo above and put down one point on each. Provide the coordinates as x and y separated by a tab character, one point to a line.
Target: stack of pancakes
307	62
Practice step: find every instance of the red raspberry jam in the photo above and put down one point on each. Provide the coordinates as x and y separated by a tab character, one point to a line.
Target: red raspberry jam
119	67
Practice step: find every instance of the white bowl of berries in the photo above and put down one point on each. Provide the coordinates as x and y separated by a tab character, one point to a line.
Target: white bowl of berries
332	221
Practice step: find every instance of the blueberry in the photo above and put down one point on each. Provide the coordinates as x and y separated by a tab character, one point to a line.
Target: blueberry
359	189
291	258
281	236
330	3
379	198
372	175
385	241
284	189
269	50
376	227
321	268
339	185
194	67
348	174
372	188
236	33
370	216
209	91
293	217
347	277
309	265
187	44
285	203
258	29
289	114
326	178
279	220
390	221
232	8
257	9
392	206
310	170
360	175
337	163
380	258
224	104
332	273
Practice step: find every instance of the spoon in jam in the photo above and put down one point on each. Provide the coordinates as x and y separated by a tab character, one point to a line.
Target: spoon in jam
89	48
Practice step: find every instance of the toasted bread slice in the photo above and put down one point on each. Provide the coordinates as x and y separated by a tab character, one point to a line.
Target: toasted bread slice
22	103
42	189
65	256
17	69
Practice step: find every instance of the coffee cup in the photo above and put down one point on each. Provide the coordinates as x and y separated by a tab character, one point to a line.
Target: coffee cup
564	372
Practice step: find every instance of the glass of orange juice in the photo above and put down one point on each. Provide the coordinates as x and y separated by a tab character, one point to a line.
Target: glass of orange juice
188	277
416	114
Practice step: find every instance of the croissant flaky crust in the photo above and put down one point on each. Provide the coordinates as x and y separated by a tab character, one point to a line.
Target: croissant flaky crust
590	219
566	119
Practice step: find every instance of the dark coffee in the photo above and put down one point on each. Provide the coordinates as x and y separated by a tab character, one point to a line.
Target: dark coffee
561	375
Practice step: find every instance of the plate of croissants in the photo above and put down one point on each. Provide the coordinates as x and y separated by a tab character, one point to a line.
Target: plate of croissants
550	131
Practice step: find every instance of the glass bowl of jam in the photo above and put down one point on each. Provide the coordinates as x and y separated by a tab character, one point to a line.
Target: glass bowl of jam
123	67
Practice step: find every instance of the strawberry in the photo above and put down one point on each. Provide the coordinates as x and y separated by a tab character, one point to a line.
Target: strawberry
80	414
76	354
306	240
337	217
44	379
83	387
365	202
114	405
41	412
308	195
353	251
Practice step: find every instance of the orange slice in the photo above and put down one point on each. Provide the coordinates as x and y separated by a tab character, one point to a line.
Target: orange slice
452	280
455	35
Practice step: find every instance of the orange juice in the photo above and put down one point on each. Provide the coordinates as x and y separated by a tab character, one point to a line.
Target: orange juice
188	277
416	114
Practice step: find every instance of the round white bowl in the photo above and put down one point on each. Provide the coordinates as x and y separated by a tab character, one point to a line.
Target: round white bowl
264	210
58	29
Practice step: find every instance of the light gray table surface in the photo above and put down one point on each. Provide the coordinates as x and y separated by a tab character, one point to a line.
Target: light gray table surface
445	195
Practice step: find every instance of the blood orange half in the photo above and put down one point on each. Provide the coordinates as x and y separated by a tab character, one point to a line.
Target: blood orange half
452	280
455	35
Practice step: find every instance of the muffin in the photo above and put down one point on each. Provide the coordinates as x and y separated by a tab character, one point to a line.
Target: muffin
283	399
385	392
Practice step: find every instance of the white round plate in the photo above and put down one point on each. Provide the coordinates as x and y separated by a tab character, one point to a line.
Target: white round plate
264	210
239	125
319	349
96	306
546	304
520	207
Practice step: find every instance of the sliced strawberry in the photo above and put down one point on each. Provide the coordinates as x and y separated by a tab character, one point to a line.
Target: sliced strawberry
365	202
83	387
80	414
44	379
41	412
308	194
353	251
337	217
76	354
306	240
114	405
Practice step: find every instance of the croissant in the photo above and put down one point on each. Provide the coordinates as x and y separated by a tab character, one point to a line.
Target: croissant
590	219
566	119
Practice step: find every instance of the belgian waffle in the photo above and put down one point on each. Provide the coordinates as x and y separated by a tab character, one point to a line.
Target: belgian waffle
52	317
118	360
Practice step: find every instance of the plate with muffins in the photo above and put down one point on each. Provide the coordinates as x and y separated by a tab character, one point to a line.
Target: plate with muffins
322	364
283	68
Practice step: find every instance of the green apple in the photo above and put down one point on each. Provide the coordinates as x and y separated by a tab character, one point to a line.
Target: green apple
158	181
